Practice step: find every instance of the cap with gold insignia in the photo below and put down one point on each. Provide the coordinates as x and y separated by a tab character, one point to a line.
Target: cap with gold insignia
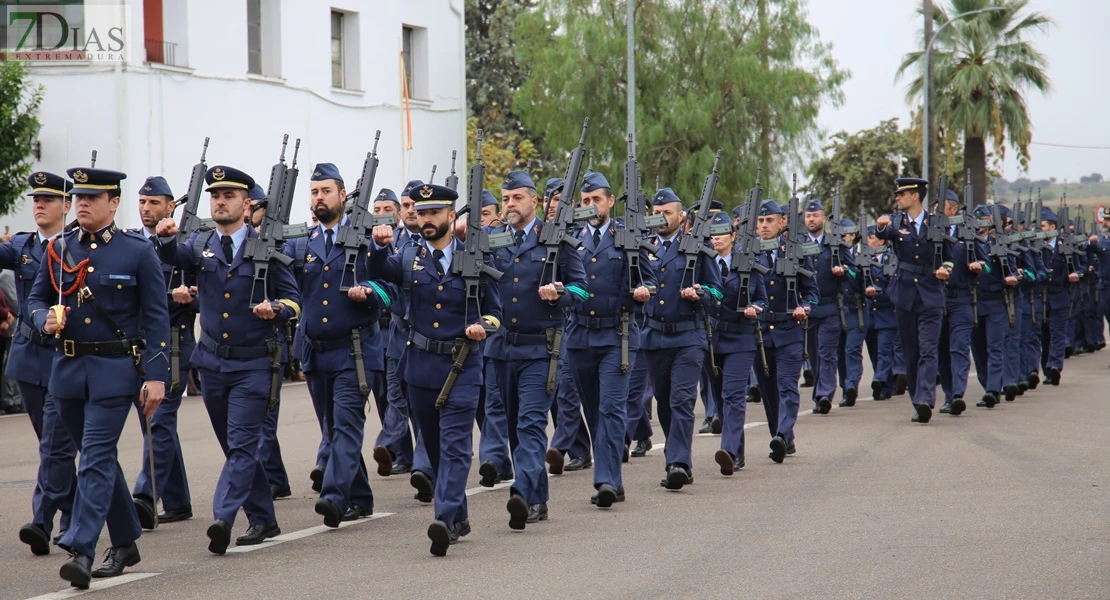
906	184
387	195
430	197
716	206
89	180
488	199
516	180
554	184
325	171
814	205
594	181
665	196
155	186
719	221
410	186
48	184
770	207
222	177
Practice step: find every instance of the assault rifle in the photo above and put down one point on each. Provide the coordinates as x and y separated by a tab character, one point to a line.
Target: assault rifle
271	236
557	234
353	237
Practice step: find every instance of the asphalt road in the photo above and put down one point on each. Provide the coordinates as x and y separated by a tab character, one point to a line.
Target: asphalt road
1005	503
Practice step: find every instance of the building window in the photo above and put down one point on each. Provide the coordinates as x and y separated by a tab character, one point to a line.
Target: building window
345	53
264	37
407	34
336	49
414	47
254	36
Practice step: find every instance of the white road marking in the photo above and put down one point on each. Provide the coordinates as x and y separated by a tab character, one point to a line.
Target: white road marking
478	490
296	535
97	585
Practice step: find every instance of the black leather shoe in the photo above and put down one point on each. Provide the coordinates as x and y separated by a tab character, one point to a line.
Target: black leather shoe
219	532
624	455
946	409
876	390
807	378
1052	376
958	406
441	536
554	462
280	491
754	395
641	448
790	450
922	413
518	512
537	512
384	458
577	464
325	508
1068	351
900	384
605	497
423	485
778	449
1034	380
507	475
988	401
357	511
400	468
116	559
824	405
148	518
676	478
176	514
256	534
619	498
77	571
716	426
489	474
706	426
317	477
1022	388
462	528
725	461
850	396
1011	392
35	537
737	464
57	537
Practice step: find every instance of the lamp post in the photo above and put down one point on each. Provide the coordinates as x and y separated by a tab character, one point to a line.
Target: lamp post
928	72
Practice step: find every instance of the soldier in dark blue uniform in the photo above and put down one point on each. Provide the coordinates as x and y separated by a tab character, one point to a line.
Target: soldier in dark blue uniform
882	322
594	336
989	338
156	202
342	351
1063	275
850	348
917	291
735	347
960	314
783	334
493	420
443	322
30	360
236	352
675	339
522	348
102	293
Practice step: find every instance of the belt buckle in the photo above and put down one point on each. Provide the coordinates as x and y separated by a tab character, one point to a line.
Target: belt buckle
69	348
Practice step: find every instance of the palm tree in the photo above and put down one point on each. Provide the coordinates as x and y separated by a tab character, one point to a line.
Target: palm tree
982	64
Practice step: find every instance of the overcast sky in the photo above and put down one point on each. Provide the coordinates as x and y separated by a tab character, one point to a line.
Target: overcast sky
870	37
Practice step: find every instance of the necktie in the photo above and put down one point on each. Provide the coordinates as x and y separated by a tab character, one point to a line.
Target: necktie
519	237
437	256
44	244
597	238
229	254
328	242
415	237
724	268
666	246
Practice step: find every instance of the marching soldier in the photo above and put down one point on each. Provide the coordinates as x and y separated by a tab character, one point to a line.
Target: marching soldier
917	291
1062	279
30	360
156	202
601	334
989	338
961	307
237	349
103	295
523	349
443	323
850	348
675	341
493	420
883	323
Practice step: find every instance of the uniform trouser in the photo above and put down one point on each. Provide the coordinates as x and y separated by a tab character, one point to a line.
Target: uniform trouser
707	391
447	435
920	330
714	381
883	357
169	464
850	350
604	388
493	422
420	459
899	355
781	401
395	434
954	358
735	371
572	436
1012	364
102	494
674	376
988	345
1054	332
523	385
237	404
1031	338
57	475
323	451
638	425
269	448
345	478
823	357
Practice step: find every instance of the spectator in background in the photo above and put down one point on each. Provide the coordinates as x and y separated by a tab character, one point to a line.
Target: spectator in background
10	400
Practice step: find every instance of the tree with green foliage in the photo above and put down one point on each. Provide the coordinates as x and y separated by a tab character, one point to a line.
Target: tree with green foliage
982	66
865	164
501	153
745	76
19	126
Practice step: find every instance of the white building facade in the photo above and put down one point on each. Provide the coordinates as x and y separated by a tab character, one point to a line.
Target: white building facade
245	72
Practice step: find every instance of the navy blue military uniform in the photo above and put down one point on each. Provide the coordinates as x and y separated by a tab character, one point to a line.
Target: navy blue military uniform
493	420
992	331
235	356
961	303
882	322
1060	292
113	341
30	360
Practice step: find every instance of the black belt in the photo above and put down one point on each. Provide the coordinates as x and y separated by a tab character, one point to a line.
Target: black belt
126	347
597	322
770	317
525	339
732	327
233	352
950	293
437	346
339	343
916	269
669	328
36	337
